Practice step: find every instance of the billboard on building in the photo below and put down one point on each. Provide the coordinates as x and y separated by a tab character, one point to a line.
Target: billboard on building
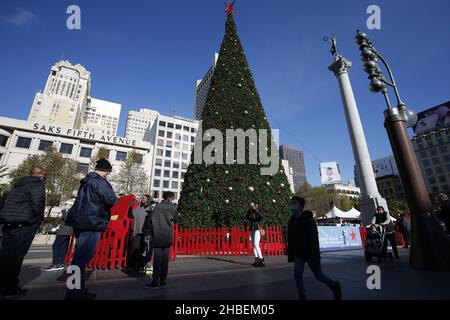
432	119
329	173
385	167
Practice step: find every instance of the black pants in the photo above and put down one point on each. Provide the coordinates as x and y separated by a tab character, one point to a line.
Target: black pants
161	265
16	243
59	249
392	240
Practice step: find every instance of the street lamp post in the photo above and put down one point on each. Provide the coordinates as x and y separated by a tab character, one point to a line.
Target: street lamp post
430	247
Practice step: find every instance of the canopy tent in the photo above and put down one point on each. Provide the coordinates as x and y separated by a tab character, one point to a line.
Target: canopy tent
337	213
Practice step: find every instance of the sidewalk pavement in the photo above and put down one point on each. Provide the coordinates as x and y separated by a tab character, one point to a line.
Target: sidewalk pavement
226	277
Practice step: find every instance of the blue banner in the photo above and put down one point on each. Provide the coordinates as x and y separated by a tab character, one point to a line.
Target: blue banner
339	238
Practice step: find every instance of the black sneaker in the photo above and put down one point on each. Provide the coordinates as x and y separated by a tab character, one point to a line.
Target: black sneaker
337	293
261	264
152	285
163	284
13	293
61	266
256	263
53	267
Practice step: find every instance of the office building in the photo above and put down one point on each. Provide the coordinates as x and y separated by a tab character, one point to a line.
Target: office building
201	89
296	162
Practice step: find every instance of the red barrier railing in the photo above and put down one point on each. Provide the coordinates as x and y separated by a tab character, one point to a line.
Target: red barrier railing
220	241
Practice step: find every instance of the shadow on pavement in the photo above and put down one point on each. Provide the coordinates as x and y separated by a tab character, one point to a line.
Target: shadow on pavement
29	273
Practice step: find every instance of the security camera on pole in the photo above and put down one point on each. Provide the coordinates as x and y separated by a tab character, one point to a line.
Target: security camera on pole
370	197
430	247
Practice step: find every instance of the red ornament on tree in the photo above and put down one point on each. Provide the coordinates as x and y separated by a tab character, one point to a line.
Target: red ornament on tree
279	193
229	9
239	179
219	181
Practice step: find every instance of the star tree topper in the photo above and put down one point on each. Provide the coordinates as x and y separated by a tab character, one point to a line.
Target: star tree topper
229	7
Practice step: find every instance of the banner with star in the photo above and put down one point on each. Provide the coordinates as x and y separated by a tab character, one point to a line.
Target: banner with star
339	238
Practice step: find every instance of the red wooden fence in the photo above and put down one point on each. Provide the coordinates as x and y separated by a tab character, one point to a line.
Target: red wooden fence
220	241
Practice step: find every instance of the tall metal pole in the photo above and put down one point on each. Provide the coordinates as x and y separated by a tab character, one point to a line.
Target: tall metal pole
430	246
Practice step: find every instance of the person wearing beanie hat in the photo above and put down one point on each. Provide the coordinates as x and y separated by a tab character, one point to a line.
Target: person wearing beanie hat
103	165
89	216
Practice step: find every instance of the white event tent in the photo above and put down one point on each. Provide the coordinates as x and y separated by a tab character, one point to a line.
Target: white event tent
337	213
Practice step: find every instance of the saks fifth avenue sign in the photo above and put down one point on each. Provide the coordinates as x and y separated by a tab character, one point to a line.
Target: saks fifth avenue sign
82	134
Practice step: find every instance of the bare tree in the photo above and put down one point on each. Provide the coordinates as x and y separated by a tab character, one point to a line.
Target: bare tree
131	179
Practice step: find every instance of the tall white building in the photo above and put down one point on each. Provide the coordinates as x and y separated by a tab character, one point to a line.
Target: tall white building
66	92
100	116
139	123
201	89
173	139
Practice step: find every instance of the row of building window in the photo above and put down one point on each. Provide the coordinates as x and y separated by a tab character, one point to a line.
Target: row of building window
166	184
177	126
168	164
166	174
65	148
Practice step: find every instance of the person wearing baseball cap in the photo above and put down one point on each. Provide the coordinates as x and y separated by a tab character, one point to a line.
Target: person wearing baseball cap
89	216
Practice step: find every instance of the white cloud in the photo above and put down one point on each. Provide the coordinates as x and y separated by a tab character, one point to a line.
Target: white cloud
21	17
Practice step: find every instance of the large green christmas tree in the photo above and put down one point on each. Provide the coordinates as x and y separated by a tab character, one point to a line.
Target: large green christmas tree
220	194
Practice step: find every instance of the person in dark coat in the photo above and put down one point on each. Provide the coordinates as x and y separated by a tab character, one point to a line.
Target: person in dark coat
402	227
61	244
21	215
89	216
159	229
383	218
303	247
444	210
255	218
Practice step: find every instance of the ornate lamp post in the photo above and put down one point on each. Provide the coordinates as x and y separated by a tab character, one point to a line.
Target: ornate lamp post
430	247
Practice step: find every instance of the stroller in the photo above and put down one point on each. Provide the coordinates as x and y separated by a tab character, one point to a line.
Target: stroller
376	243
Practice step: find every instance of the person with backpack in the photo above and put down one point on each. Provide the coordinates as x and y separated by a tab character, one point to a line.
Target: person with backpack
303	247
21	216
159	228
89	217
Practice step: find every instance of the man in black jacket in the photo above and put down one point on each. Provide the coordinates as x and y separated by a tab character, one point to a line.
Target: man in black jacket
159	228
89	216
22	214
303	247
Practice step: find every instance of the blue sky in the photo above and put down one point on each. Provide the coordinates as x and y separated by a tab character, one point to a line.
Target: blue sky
146	53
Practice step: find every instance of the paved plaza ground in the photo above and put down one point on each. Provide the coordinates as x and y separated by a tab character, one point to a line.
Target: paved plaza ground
225	277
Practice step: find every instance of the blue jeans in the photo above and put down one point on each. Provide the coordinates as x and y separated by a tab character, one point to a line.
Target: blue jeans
299	267
86	243
59	249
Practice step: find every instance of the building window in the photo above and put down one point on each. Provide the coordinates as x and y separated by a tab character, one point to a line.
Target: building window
138	158
174	185
426	163
121	156
432	180
176	165
158	162
433	152
192	130
83	168
429	172
169	135
184	156
162	123
177	136
168	144
158	172
439	170
169	125
44	144
161	133
156	183
186	129
66	148
160	143
165	184
3	140
442	179
168	153
85	152
446	158
423	154
166	173
436	161
185	138
23	142
178	127
443	149
175	174
185	147
167	164
192	139
155	194
159	152
177	145
183	174
184	165
176	154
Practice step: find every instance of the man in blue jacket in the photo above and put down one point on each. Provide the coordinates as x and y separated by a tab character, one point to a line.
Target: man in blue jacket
89	216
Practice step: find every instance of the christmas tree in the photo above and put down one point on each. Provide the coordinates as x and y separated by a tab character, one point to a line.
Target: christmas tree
220	194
